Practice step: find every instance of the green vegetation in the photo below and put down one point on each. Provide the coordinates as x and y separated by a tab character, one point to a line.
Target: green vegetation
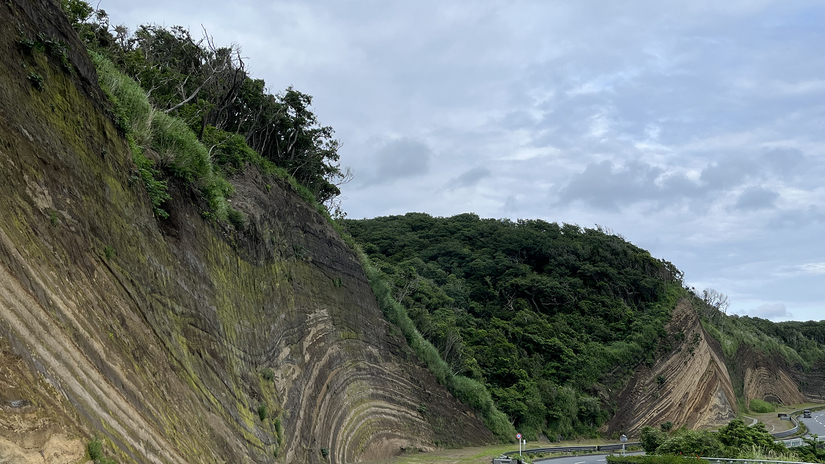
168	138
48	45
735	440
677	459
468	391
528	318
268	374
759	406
528	322
95	450
108	252
36	80
206	105
800	343
262	412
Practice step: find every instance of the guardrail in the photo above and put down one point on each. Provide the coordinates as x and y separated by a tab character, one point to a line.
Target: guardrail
788	433
571	449
597	448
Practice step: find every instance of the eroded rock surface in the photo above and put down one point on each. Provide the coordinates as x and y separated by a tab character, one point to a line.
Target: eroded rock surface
179	341
688	386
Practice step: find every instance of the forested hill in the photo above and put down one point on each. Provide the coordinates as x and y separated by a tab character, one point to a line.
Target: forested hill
553	318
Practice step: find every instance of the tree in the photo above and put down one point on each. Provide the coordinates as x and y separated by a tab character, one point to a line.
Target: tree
737	436
652	439
716	300
208	86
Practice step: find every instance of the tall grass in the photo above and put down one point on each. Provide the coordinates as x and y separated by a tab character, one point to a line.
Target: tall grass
468	391
760	454
133	112
177	146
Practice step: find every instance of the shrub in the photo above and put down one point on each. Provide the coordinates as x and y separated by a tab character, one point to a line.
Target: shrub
95	449
737	436
267	374
759	406
652	439
108	252
236	218
36	80
231	153
157	190
616	459
262	411
693	443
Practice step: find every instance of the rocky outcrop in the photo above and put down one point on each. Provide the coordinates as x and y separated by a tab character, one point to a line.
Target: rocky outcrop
765	377
811	382
688	386
179	341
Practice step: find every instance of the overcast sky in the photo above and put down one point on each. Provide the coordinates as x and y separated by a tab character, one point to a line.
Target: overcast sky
695	129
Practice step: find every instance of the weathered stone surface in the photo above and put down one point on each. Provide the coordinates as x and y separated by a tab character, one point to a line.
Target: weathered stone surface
180	341
688	386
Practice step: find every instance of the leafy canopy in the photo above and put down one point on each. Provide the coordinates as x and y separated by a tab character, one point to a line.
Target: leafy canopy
209	88
546	315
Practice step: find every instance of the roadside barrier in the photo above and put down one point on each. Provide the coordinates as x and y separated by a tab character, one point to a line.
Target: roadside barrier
788	433
572	449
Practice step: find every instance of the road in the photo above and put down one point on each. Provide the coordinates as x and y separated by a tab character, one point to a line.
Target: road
584	459
816	424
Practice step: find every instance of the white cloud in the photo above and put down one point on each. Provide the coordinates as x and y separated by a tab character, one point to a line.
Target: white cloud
693	128
770	311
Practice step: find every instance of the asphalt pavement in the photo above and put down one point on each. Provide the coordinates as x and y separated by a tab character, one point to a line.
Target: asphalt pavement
816	424
583	459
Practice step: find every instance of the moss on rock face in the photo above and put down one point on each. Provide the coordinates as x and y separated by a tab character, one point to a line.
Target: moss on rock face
157	344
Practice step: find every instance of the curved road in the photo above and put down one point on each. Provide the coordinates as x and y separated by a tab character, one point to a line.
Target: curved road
816	424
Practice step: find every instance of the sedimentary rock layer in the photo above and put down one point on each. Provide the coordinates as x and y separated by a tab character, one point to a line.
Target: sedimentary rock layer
688	385
180	340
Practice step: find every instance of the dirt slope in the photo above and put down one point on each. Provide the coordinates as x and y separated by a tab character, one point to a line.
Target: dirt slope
181	341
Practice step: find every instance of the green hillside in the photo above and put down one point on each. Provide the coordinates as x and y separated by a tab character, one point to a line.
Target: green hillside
551	317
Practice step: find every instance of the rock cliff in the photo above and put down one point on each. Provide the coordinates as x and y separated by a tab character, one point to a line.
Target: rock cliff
689	385
692	384
178	341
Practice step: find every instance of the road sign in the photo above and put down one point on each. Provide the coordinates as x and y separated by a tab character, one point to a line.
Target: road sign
518	436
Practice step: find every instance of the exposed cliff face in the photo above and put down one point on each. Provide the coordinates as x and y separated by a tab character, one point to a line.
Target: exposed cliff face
765	377
689	386
178	341
693	385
